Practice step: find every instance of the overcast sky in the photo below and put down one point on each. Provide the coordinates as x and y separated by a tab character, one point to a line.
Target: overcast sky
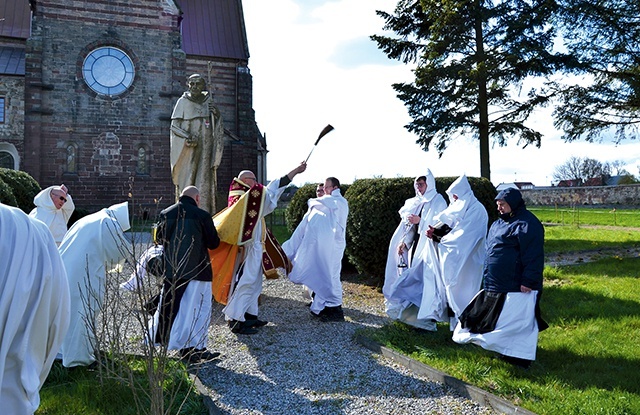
313	64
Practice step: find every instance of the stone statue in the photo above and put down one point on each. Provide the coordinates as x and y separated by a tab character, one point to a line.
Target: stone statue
197	135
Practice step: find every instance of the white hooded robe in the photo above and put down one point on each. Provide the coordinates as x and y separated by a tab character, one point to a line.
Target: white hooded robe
55	219
405	288
461	252
94	245
34	309
316	248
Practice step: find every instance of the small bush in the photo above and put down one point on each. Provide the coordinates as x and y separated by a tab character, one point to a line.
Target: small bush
24	187
6	194
78	213
298	205
373	216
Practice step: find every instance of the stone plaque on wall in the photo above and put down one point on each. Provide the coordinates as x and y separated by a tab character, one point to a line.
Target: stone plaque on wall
107	154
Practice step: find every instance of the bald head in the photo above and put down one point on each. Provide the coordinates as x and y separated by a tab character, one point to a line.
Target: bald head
247	176
190	191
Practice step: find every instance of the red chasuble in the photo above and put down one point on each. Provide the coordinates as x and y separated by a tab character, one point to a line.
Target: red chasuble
236	225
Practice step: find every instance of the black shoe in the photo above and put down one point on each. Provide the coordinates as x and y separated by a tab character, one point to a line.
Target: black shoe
204	355
516	361
332	314
187	355
252	321
239	327
255	323
191	355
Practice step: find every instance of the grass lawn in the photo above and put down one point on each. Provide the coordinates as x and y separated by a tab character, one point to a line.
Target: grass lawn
588	216
80	391
587	360
573	238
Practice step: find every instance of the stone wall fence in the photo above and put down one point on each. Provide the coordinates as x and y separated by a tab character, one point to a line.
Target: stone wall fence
625	195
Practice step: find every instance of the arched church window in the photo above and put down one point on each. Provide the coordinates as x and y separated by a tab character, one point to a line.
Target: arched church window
142	165
9	158
6	160
71	165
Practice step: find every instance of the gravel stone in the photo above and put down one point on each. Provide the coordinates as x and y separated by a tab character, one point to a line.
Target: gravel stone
299	365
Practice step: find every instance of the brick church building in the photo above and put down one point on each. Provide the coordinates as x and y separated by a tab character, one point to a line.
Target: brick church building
87	88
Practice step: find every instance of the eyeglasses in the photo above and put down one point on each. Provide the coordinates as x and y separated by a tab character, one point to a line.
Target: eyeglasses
62	198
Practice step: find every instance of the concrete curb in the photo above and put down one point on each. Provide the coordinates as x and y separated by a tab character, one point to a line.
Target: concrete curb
208	402
468	391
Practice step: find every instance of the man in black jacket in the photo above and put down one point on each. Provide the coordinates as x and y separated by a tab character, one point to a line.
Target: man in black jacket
182	320
505	316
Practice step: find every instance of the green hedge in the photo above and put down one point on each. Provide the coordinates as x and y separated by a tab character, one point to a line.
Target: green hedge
298	205
23	186
373	214
6	194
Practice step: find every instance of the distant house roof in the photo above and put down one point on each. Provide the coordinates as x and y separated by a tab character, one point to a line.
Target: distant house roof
15	19
11	60
569	183
594	181
213	28
503	186
613	180
515	185
524	185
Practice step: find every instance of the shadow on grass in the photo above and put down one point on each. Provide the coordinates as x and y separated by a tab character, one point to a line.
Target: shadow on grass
585	305
483	368
620	266
573	245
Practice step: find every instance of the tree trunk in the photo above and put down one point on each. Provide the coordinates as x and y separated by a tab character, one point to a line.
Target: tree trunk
483	106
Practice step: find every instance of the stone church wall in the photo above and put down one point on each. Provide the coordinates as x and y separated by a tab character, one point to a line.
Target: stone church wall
92	142
96	144
12	130
626	195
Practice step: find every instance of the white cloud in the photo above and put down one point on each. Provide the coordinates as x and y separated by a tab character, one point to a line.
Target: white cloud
312	65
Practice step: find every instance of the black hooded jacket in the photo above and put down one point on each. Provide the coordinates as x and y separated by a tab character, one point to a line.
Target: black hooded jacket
187	233
515	248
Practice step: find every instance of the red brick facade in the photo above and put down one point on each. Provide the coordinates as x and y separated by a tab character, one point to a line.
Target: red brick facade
107	149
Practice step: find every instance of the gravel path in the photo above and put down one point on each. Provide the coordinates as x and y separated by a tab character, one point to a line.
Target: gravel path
298	365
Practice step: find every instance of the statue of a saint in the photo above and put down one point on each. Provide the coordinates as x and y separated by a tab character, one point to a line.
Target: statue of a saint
197	135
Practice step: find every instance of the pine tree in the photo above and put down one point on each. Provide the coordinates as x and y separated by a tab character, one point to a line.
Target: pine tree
603	98
472	60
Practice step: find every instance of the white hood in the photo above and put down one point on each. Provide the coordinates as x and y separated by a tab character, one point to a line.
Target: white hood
121	213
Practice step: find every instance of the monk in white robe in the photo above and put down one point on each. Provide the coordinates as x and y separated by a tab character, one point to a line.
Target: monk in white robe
54	207
407	279
34	309
316	248
460	252
94	245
